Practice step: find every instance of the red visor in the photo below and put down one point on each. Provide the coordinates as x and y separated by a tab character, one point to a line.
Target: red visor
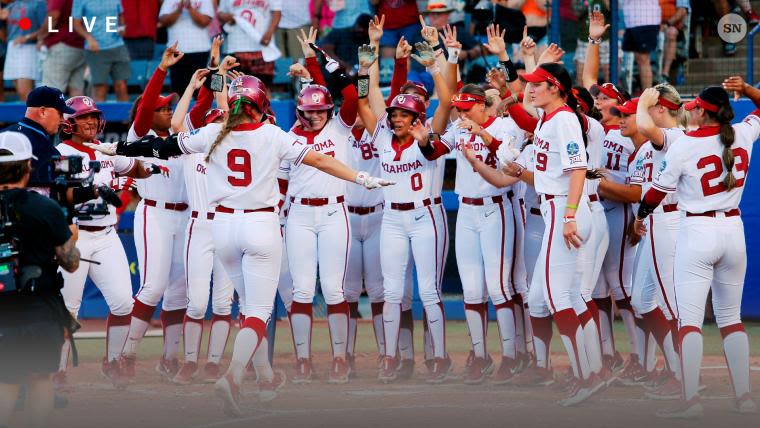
608	89
418	86
628	108
699	102
167	100
541	75
668	104
466	101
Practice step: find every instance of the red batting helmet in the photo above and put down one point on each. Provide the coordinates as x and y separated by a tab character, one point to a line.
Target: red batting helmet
314	98
82	105
250	89
412	103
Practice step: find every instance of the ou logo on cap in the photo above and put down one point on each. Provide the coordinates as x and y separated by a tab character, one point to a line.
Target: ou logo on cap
315	97
87	101
401	99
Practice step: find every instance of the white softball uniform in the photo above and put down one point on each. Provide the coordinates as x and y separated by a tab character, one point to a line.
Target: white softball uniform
485	228
617	267
160	220
317	225
534	223
365	211
711	251
558	149
519	273
599	239
99	240
241	177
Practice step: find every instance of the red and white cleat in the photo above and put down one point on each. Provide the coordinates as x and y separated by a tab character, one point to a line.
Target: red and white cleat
339	372
441	369
506	371
186	374
579	393
229	392
128	363
534	376
670	390
303	372
745	405
633	374
211	373
112	371
476	373
387	369
683	410
268	389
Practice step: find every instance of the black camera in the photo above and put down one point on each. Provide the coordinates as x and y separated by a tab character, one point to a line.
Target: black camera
66	173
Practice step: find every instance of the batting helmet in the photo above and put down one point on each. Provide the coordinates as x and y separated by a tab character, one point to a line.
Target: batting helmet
213	115
249	89
82	105
409	102
314	98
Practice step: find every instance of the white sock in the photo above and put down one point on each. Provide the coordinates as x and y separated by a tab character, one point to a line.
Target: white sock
640	340
337	321
427	341
437	327
118	330
736	349
406	336
691	358
391	326
505	320
193	334
353	322
65	352
630	328
246	343
593	350
261	361
217	340
475	328
521	345
377	326
671	356
137	329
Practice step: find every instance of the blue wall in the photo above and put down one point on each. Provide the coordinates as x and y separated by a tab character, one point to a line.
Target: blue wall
94	306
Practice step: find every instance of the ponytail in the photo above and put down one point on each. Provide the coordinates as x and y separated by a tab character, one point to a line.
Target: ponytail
234	118
727	136
573	104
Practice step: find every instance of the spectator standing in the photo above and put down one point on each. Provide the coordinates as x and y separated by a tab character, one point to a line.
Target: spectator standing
64	63
674	16
347	12
584	9
642	26
186	22
293	20
401	19
105	52
263	17
141	20
438	14
343	44
24	18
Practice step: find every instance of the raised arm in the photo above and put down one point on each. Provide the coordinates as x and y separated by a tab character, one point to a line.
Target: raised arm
147	105
204	97
376	101
644	122
367	58
450	70
312	65
426	57
596	29
400	69
497	46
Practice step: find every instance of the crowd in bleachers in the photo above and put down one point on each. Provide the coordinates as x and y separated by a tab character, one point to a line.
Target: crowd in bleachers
104	47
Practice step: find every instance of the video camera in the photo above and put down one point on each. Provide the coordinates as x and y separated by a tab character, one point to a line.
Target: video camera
64	170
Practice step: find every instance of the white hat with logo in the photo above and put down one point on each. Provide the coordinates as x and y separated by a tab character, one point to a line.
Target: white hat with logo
16	143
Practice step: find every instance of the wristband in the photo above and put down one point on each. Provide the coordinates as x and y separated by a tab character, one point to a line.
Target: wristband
362	86
571	206
509	70
595	41
568	220
453	55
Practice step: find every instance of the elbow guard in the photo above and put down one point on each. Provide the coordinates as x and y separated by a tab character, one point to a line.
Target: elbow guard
150	146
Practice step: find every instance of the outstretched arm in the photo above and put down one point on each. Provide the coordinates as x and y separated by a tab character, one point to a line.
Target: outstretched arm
596	29
375	96
144	116
338	169
626	193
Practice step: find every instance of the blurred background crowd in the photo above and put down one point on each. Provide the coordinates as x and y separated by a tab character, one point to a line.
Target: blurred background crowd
108	48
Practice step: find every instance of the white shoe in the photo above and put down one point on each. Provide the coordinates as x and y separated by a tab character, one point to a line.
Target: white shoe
745	405
227	390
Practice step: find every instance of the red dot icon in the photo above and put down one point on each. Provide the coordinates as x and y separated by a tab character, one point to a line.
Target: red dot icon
25	23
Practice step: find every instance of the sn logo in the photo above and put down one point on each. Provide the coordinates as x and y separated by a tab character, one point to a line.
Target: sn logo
729	28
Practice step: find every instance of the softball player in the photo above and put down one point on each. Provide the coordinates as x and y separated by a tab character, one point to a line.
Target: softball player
199	248
485	228
707	169
559	166
160	220
245	226
98	238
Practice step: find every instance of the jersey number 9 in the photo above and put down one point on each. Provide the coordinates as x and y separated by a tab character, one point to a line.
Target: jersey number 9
239	160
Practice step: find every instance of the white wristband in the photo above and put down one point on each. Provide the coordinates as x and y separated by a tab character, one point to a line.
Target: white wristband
453	55
433	69
361	177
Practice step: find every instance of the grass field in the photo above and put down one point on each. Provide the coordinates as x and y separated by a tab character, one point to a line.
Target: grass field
154	402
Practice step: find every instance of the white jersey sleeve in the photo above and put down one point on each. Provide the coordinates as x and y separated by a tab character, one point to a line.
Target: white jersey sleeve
198	140
670	169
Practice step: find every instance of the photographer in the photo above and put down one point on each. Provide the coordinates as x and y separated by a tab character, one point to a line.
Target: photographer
33	317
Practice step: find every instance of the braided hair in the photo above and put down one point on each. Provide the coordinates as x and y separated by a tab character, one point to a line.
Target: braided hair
235	117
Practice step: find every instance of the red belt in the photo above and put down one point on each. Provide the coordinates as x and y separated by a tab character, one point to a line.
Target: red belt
316	202
670	208
92	228
363	210
593	197
482	201
437	200
195	214
535	211
730	213
173	206
223	209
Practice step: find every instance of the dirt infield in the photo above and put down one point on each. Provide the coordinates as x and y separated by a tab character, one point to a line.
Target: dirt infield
364	402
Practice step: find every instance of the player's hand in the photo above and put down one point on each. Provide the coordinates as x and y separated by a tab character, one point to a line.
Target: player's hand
376	29
450	37
638	228
171	56
570	233
92	45
496	44
403	48
497	78
736	84
553	53
108	195
512	169
469	153
199	77
306	41
105	148
298	70
367	57
214	55
426	55
527	45
470	126
234	74
596	27
228	63
369	182
419	131
649	97
429	33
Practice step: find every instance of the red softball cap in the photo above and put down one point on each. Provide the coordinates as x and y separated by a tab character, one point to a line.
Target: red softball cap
541	75
167	100
628	108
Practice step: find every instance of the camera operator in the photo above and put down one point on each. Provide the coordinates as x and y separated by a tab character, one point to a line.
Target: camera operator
32	316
